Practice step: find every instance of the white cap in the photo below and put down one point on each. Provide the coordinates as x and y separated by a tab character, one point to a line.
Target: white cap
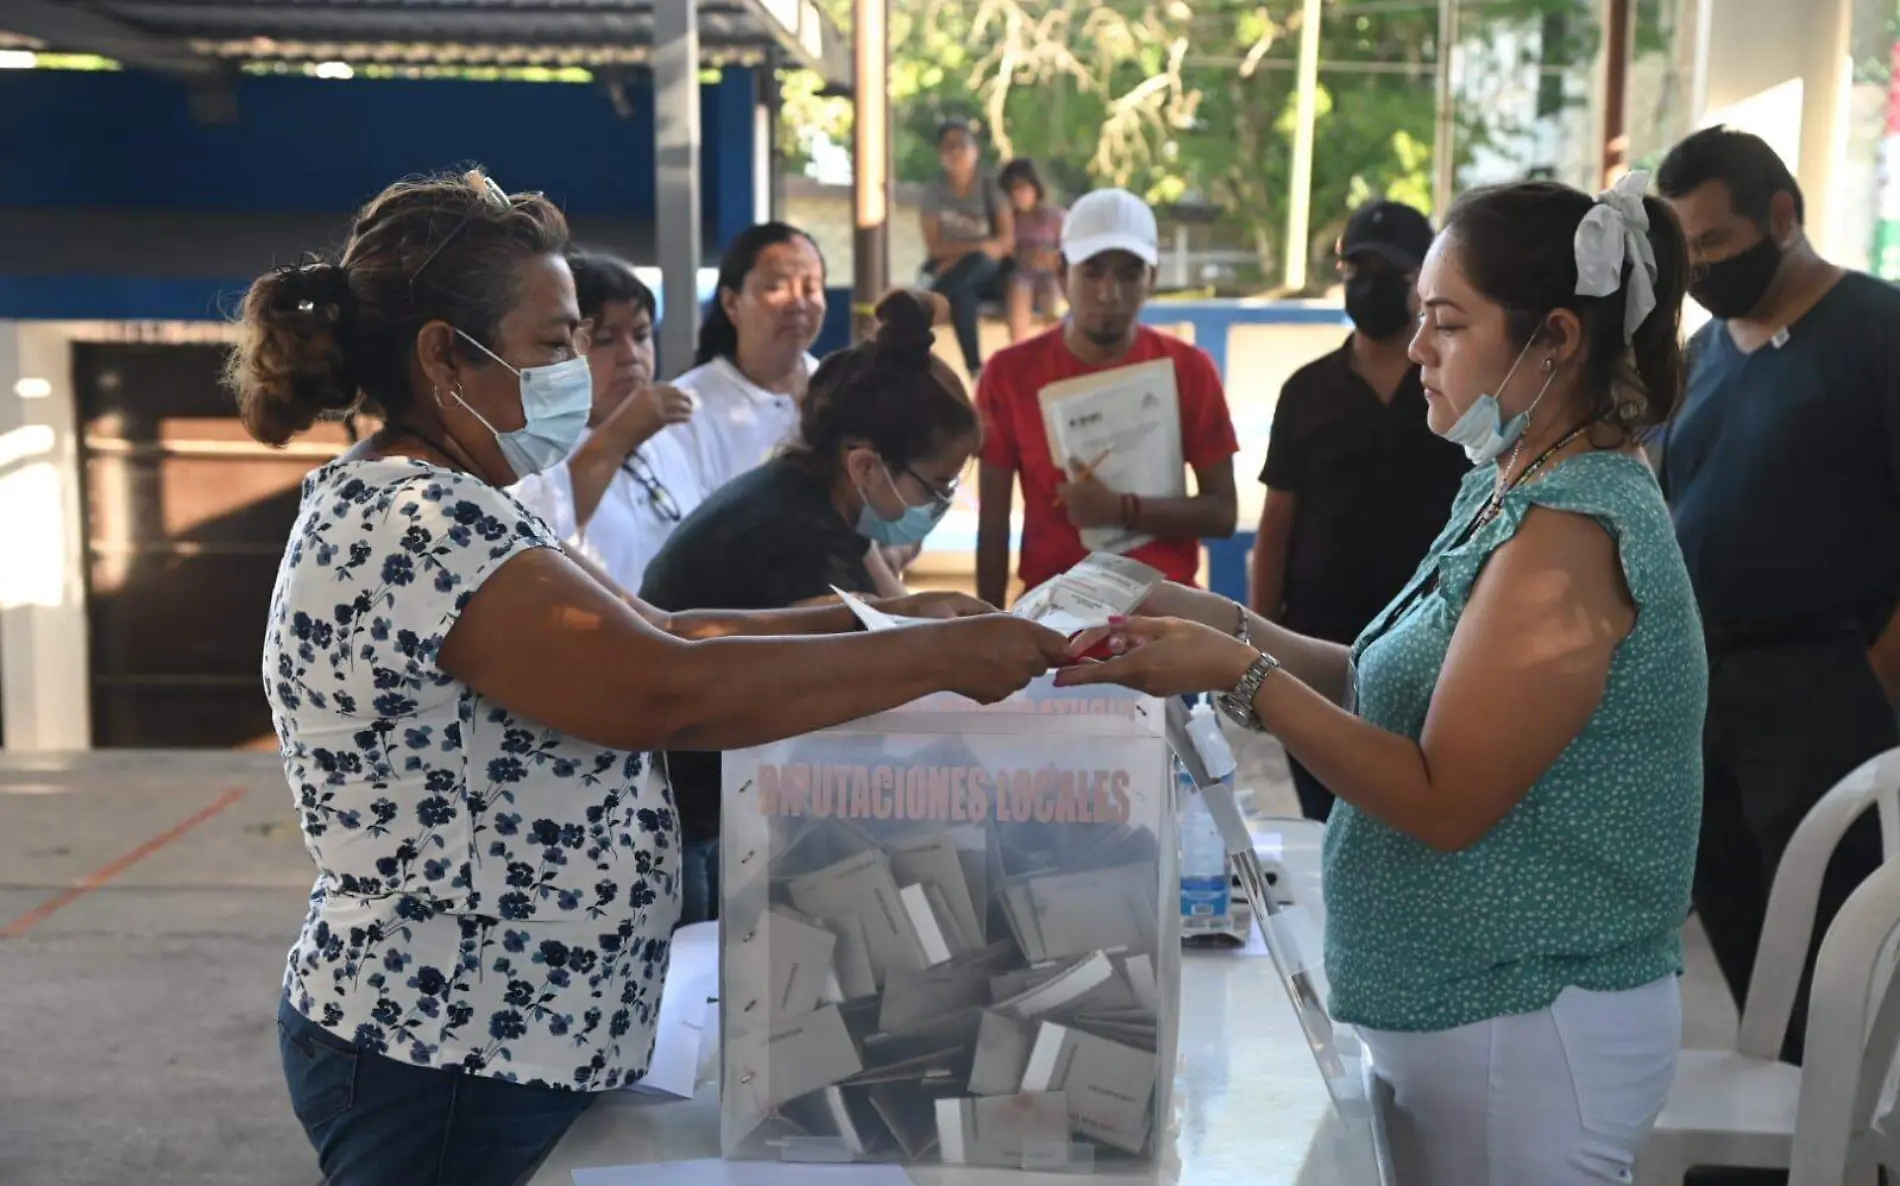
1110	220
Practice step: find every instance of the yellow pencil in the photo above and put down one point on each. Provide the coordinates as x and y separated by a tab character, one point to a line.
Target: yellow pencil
1085	472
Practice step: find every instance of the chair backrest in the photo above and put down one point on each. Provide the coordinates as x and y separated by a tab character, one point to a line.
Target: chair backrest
1796	893
1853	1034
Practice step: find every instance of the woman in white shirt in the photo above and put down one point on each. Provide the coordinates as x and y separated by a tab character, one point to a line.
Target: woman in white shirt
633	478
749	374
467	710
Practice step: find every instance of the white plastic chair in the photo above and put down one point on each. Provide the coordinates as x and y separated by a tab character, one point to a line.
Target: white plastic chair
1842	1125
1739	1107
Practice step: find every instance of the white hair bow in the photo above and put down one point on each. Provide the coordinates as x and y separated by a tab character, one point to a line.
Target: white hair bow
1616	232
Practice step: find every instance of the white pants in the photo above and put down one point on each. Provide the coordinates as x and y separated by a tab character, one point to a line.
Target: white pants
1562	1097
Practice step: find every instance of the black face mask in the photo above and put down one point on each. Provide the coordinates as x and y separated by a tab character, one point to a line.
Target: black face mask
1379	304
1735	286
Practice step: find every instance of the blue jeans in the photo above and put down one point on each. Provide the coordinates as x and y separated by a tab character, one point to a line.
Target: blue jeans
964	284
699	881
375	1121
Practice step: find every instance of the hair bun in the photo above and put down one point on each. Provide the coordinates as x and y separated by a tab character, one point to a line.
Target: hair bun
905	318
312	285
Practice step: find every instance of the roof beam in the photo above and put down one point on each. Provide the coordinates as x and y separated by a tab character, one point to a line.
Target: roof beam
81	28
812	40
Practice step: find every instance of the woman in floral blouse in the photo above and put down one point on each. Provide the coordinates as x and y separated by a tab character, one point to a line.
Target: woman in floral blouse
466	710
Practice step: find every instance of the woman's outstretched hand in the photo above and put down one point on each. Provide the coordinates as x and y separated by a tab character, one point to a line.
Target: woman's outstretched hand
1162	657
934	605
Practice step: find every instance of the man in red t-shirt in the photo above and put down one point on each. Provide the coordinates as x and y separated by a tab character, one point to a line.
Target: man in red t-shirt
1109	251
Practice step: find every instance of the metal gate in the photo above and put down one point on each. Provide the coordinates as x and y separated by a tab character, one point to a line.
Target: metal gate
186	520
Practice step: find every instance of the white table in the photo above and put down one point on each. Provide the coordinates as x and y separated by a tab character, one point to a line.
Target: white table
1249	1105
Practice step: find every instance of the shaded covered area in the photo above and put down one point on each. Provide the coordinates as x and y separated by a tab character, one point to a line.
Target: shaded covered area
224	137
158	154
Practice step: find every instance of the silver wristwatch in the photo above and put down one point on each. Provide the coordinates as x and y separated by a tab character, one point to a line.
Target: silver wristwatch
1237	705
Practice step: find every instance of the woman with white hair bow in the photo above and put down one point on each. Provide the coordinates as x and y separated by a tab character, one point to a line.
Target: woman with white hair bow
1515	741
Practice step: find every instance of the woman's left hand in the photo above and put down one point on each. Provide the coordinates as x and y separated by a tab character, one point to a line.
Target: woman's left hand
1163	657
934	605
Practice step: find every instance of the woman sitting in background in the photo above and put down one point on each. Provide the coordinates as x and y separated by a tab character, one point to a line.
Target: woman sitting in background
466	710
631	480
887	431
1508	866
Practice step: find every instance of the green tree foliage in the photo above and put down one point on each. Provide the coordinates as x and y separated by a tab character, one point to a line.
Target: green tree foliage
1193	100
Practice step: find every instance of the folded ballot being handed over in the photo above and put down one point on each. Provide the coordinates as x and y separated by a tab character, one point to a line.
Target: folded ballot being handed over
1103	587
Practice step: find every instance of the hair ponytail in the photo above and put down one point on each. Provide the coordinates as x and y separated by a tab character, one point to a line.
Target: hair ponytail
1657	346
890	392
1517	245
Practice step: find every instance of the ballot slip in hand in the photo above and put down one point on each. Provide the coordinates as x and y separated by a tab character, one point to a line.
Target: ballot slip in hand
1101	588
1130	418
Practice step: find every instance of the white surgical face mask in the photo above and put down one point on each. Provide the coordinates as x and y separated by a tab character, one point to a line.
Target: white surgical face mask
555	402
1479	429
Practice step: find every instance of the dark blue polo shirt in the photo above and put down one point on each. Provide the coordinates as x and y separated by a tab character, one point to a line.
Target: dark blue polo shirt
1782	468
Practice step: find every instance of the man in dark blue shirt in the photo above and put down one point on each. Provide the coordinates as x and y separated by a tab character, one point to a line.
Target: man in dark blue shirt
1782	470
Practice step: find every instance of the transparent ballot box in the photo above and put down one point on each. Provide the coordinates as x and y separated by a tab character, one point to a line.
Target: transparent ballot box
950	933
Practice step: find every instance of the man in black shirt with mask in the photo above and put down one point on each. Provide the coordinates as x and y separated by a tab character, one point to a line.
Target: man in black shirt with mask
1357	485
1782	470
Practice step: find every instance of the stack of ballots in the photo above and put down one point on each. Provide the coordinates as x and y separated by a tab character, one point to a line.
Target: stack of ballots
948	935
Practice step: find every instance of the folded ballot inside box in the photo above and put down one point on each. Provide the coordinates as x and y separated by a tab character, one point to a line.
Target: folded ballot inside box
948	935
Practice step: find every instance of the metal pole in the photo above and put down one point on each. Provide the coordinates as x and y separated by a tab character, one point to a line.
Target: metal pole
1300	197
1616	41
676	178
1444	146
871	160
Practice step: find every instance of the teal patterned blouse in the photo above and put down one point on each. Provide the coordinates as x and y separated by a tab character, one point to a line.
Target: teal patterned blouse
1586	881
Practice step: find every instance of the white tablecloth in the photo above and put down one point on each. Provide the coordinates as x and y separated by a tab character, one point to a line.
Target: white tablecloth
1249	1104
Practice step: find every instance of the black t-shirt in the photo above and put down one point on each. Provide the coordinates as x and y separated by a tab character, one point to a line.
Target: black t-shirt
1782	468
1373	487
768	539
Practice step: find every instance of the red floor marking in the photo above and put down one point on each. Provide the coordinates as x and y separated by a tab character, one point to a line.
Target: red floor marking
107	872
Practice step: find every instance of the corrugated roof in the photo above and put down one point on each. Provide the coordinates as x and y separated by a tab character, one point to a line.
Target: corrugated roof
435	32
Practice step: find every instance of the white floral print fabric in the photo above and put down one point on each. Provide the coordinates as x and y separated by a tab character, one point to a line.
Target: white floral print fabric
491	894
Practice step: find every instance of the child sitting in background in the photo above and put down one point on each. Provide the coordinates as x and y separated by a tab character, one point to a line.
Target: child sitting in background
1033	291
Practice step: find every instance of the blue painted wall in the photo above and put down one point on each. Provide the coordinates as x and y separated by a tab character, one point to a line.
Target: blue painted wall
127	141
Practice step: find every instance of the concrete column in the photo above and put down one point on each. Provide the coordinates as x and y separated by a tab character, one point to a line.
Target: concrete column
676	178
44	677
1782	70
870	161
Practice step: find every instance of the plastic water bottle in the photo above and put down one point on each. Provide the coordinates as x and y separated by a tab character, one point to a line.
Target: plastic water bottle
1206	897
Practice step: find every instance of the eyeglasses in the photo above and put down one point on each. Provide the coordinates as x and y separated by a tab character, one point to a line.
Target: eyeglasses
943	496
658	496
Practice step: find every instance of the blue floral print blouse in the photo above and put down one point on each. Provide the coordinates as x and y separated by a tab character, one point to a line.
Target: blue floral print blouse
491	894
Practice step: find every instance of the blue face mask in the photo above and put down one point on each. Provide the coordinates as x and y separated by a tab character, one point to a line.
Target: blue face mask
555	402
1482	430
908	528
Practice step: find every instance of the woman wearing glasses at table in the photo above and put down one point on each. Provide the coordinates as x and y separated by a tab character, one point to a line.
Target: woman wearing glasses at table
884	432
467	709
633	478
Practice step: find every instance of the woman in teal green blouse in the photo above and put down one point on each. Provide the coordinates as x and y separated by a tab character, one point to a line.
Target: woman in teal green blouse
1516	740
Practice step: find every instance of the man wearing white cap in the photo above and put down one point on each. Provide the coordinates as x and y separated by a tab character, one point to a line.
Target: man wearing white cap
1109	251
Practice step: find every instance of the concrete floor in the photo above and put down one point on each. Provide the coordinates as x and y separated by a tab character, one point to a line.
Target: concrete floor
146	903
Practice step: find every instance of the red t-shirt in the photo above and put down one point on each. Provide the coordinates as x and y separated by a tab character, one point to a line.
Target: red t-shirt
1015	439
